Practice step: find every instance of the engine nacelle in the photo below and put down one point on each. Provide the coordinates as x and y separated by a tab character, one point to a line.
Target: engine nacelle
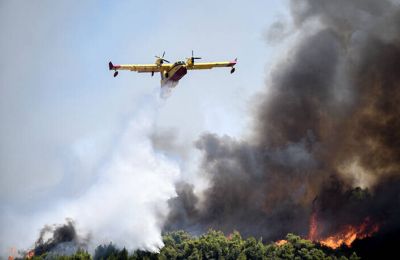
159	62
189	62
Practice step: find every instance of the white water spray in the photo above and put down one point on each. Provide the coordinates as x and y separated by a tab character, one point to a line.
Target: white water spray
126	204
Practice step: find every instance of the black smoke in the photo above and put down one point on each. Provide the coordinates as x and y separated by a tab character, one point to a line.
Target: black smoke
326	133
59	240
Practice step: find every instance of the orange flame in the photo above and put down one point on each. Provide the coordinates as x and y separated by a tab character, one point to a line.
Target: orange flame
280	242
345	236
312	235
351	233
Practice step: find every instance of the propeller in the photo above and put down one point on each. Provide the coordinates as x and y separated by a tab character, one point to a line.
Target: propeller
162	58
194	58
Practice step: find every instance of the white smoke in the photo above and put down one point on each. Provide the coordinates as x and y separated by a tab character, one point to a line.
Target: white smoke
127	202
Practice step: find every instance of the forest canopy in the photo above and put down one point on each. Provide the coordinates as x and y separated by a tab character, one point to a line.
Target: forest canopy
214	245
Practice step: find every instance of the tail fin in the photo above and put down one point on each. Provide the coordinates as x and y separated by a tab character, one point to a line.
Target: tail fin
110	65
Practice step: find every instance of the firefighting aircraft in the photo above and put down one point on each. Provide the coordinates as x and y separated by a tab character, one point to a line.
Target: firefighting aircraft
171	72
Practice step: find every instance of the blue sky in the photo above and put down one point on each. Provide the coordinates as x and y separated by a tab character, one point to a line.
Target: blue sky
58	100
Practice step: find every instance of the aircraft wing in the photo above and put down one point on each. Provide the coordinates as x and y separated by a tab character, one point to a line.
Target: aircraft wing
140	67
210	65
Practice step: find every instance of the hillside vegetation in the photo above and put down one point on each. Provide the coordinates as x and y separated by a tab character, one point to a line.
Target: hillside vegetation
214	245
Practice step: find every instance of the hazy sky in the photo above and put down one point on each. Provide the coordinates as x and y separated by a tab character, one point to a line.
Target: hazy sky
62	112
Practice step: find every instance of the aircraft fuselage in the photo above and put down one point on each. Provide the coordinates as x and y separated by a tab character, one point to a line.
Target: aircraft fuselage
174	74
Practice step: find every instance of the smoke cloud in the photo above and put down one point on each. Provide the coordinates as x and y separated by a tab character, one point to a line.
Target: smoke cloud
62	240
125	205
329	122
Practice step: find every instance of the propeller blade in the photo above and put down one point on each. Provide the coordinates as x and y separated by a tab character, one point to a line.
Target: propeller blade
194	58
162	58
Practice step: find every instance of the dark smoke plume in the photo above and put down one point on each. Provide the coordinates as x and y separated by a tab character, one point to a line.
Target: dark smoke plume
59	240
329	123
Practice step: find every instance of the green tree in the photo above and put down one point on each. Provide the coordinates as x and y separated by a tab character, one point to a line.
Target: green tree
254	249
214	244
123	254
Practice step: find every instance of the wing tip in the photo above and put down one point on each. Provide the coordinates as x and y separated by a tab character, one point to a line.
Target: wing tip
233	62
110	65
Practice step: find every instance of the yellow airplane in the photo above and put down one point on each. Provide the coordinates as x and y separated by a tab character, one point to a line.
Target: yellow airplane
172	72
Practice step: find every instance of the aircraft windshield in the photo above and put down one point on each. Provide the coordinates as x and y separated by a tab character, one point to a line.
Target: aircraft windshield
179	63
